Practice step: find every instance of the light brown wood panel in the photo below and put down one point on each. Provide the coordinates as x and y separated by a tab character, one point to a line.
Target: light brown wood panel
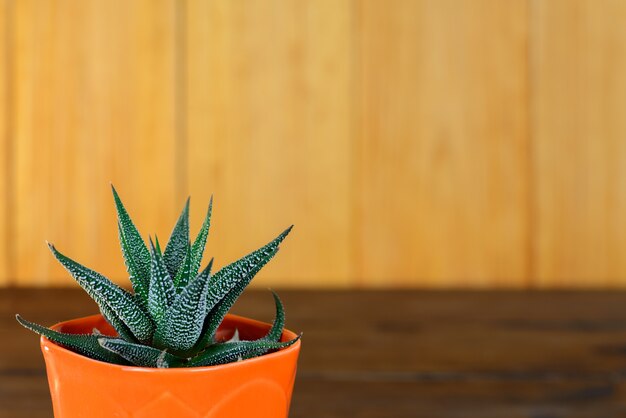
93	102
413	142
442	145
578	57
6	7
269	132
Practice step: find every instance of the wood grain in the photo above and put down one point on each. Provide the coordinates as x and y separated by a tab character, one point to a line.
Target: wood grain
269	102
435	354
453	143
441	165
6	9
579	151
84	119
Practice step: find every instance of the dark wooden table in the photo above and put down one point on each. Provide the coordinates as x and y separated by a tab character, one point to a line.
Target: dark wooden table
398	354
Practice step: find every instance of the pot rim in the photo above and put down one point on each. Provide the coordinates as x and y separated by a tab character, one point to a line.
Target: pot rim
50	346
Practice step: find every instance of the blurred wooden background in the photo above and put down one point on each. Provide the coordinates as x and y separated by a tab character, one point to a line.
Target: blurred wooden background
443	143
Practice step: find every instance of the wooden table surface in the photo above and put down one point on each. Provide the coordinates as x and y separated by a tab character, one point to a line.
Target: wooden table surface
399	353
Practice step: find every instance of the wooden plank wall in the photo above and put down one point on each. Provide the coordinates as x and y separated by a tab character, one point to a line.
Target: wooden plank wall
272	130
5	36
83	119
579	142
449	143
441	152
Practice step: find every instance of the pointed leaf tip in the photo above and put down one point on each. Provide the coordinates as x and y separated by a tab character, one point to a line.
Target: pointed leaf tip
175	254
84	344
229	282
288	230
158	244
197	248
117	305
276	331
136	254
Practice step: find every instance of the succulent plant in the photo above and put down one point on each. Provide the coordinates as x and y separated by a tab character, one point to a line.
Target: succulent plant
172	317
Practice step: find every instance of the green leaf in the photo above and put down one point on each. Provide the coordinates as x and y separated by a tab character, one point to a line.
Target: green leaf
136	255
140	286
231	351
176	248
140	355
229	283
278	325
115	321
158	249
197	249
236	276
84	344
184	272
181	326
114	301
216	315
162	293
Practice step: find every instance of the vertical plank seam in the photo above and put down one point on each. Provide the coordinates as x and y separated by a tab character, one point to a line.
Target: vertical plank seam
180	102
531	193
355	93
8	171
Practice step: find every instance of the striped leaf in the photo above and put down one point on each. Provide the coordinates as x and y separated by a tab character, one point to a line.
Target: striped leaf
161	293
184	272
84	344
136	255
140	355
274	334
231	351
236	276
140	286
114	301
122	330
216	315
197	249
176	248
181	326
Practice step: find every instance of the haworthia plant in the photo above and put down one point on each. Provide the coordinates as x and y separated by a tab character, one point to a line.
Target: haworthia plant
172	318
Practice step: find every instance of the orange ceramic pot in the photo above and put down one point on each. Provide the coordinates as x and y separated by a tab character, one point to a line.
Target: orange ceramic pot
84	388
